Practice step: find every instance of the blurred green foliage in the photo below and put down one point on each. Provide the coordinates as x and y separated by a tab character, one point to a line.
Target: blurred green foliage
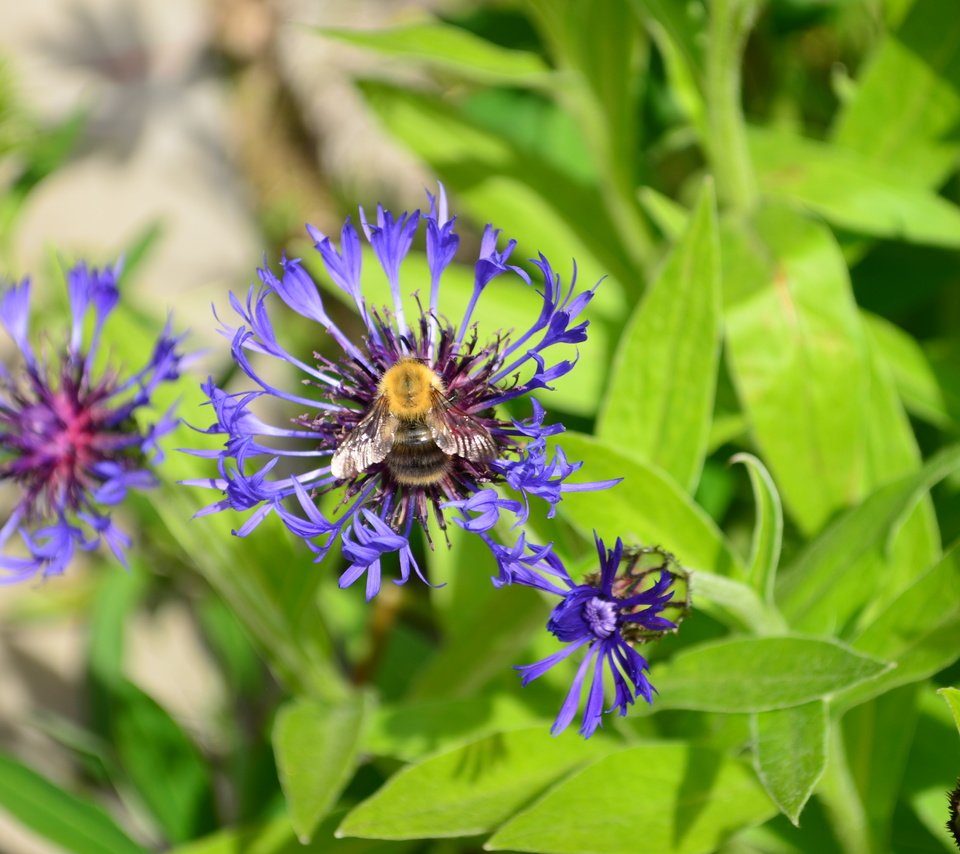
770	189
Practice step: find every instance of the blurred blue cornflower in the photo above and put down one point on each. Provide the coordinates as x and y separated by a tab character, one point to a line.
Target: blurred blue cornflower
70	441
404	421
611	612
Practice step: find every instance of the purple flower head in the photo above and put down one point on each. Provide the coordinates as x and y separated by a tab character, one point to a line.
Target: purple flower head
403	420
611	612
73	442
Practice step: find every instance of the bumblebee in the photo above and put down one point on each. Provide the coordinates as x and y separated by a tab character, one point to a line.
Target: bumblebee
414	428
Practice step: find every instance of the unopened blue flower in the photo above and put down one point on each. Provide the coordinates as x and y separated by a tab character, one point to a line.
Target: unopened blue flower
404	419
605	616
71	444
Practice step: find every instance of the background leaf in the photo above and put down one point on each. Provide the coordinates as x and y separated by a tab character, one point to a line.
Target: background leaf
759	674
59	816
767	529
790	753
661	391
316	748
470	789
685	799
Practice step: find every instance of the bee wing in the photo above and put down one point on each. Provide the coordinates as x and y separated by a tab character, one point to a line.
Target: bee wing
457	433
367	443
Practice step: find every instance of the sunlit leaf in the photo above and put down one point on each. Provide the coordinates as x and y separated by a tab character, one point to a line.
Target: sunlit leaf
790	753
451	49
912	81
850	192
471	789
316	748
759	674
661	392
670	798
767	527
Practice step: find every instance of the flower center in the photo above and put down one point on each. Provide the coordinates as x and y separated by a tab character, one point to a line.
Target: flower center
601	616
53	443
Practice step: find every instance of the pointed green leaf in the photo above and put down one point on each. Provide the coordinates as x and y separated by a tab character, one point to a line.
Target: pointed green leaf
790	753
66	820
849	192
665	798
929	386
451	49
759	674
647	508
798	359
316	749
906	105
952	698
410	731
275	836
162	762
919	631
664	376
767	528
820	588
471	789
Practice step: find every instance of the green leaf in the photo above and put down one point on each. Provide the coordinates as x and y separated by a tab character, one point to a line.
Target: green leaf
275	836
849	192
451	49
647	508
820	589
679	33
494	181
878	736
926	377
759	674
66	820
919	631
797	357
316	749
162	762
412	730
471	789
462	667
790	753
666	798
906	105
601	91
662	388
952	698
670	217
767	529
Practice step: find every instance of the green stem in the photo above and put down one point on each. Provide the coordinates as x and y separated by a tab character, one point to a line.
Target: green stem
838	794
730	21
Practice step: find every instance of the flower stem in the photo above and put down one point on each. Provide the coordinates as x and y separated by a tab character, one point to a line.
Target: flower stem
730	21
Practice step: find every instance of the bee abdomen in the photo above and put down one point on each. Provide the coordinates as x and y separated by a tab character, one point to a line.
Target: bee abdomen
415	459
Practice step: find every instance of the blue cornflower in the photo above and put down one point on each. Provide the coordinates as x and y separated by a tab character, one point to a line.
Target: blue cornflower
405	419
613	610
70	441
